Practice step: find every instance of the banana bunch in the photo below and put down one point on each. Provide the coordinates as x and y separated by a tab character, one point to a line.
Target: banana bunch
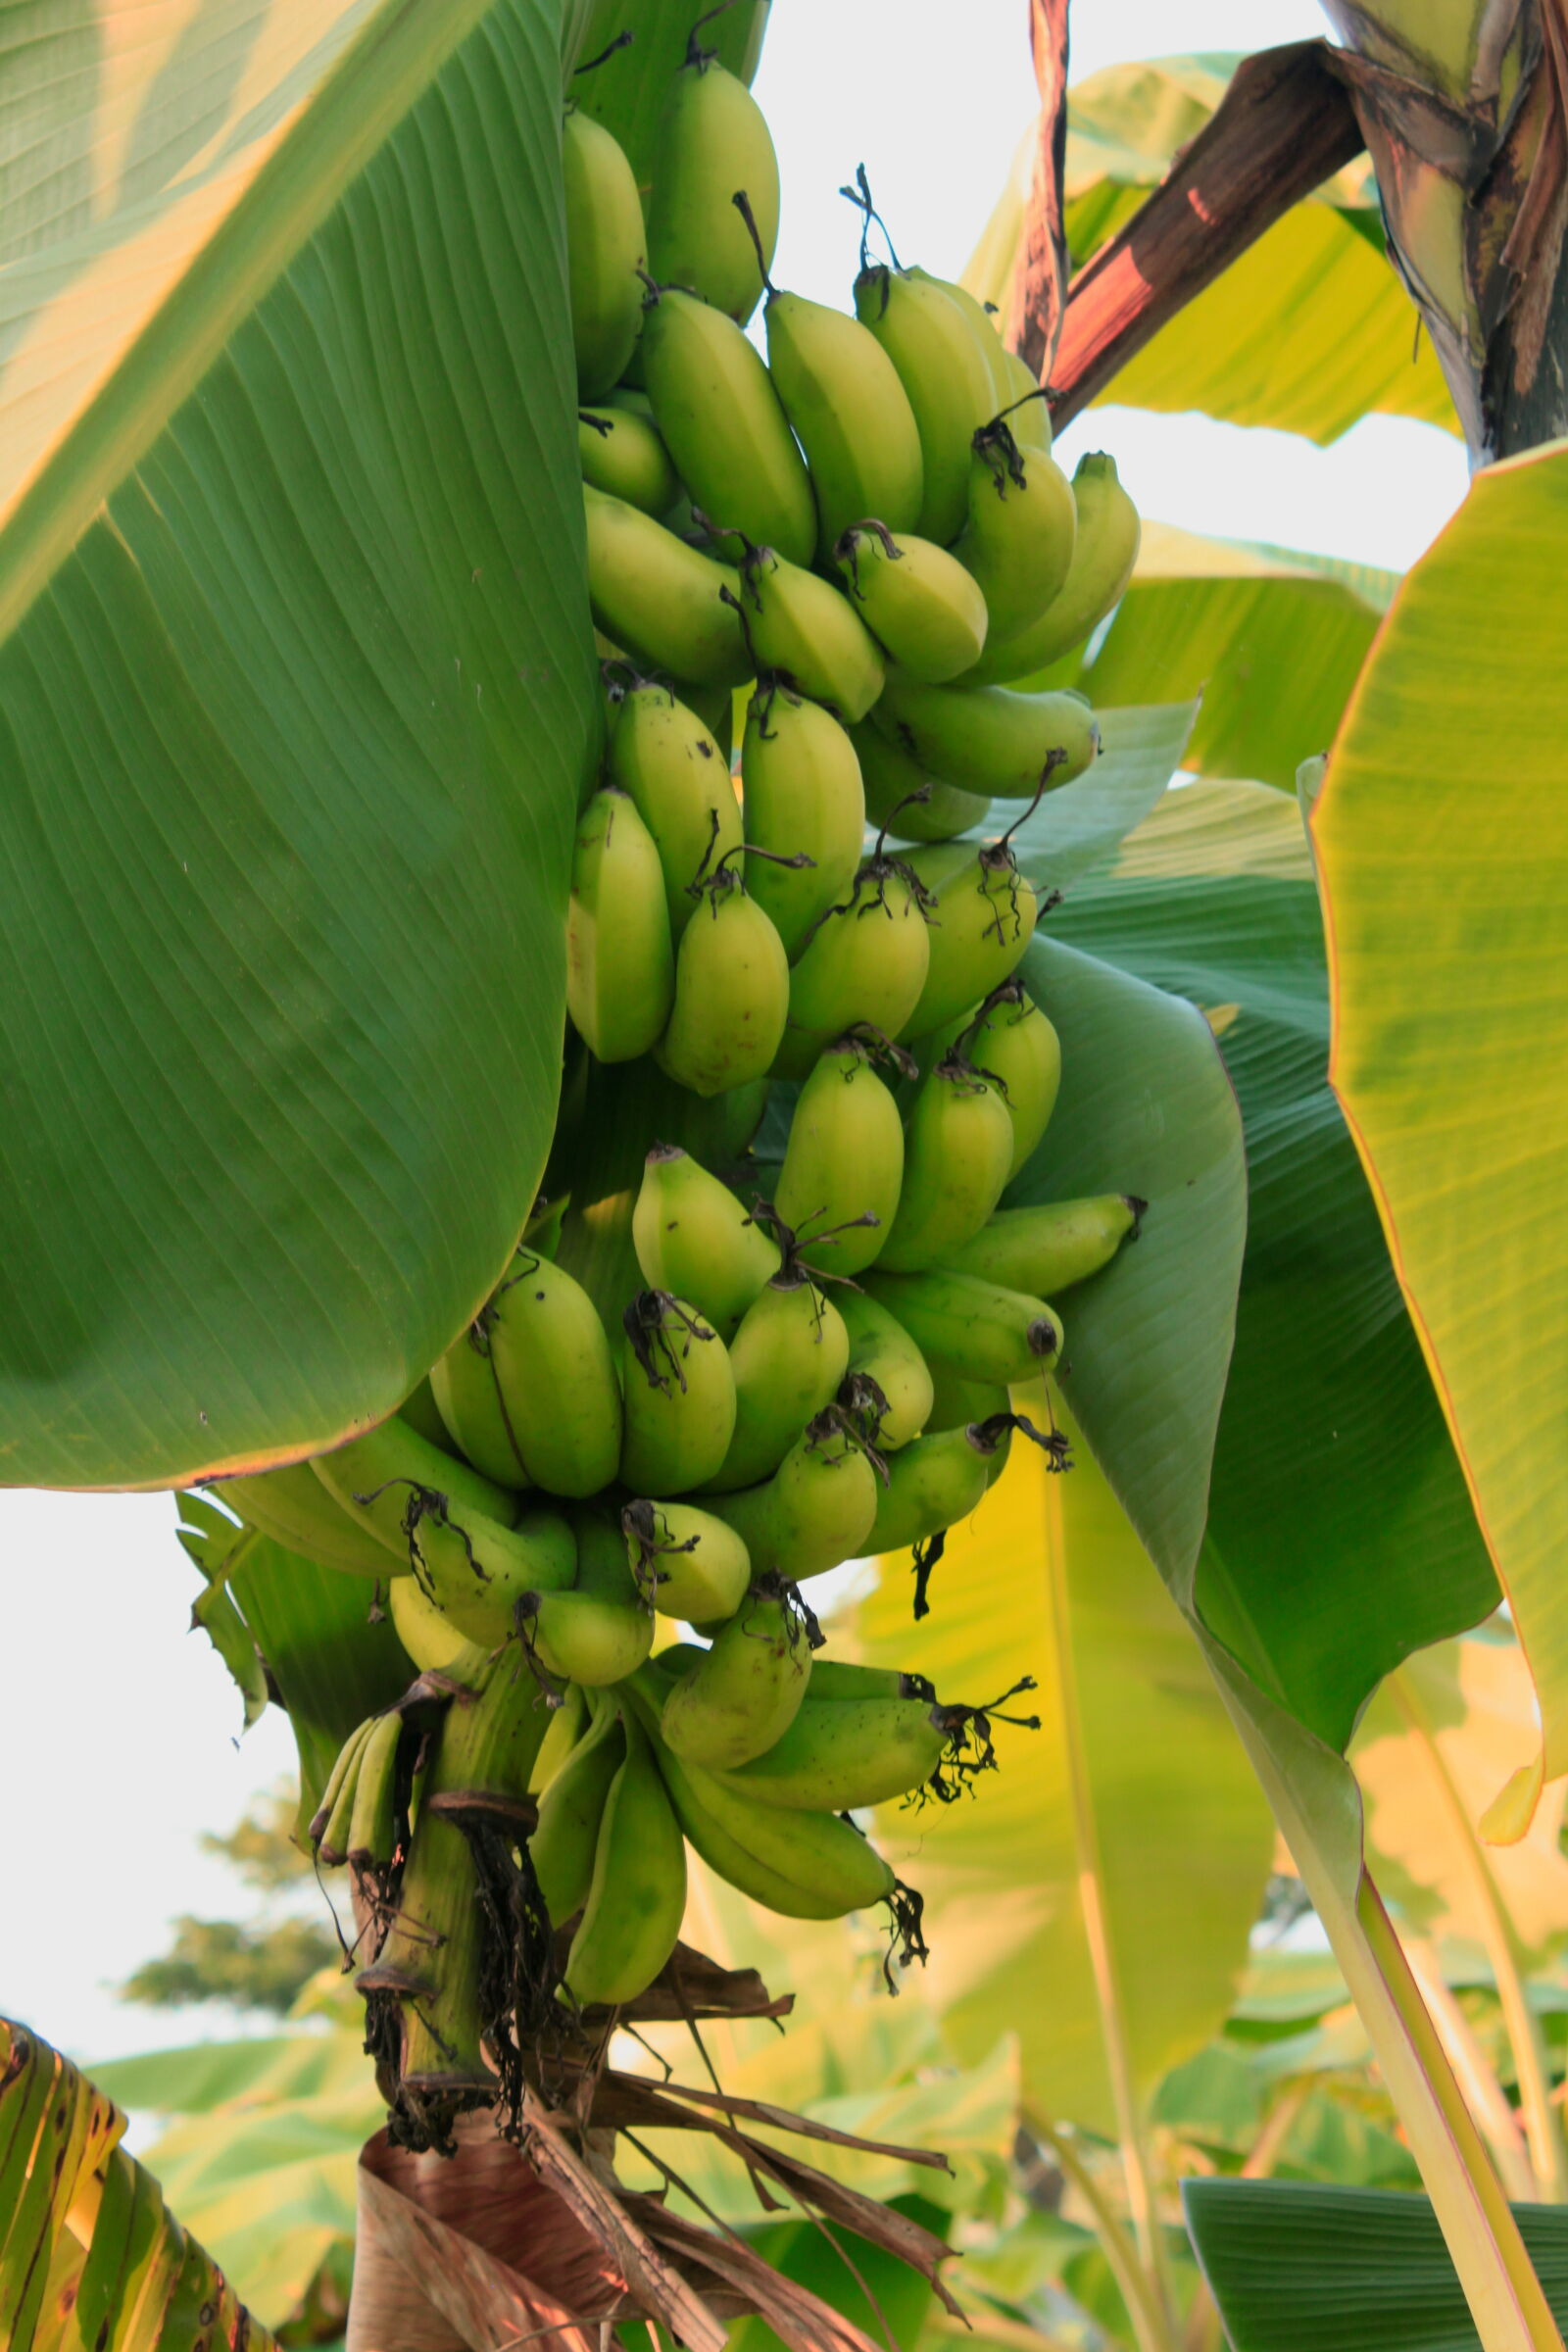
594	1518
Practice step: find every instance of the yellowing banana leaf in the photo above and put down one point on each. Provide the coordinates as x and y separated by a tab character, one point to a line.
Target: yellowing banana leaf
1308	332
89	2252
1271	640
1069	1895
1443	843
297	690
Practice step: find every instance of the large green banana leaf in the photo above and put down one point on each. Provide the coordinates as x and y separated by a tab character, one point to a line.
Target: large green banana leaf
296	702
1308	332
1443	841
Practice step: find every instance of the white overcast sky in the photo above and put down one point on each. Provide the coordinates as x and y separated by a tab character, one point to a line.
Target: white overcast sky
118	1729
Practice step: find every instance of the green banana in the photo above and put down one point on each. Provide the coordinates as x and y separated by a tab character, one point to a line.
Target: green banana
421	1411
556	1376
568	1723
293	1507
841	1754
373	1838
957	1402
732	993
802	782
711	139
635	1900
746	1691
693	1237
852	415
984	1330
1030	409
582	1638
921	604
956	1151
802	627
817	1507
845	1678
621	956
863	965
937	1481
431	1640
1104	552
882	1352
666	758
468	1399
946	374
570	1810
602	1565
680	1397
605	251
689	1564
719	417
375	1478
1021	528
984	919
802	1865
622	454
345	1767
1014	1045
788	1359
901	799
838	1189
1054	1246
659	599
989	739
983	326
477	1573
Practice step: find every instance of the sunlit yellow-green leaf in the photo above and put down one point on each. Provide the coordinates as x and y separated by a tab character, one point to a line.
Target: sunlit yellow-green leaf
1442	836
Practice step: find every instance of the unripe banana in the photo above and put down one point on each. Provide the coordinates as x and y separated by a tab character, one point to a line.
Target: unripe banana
477	1573
581	1637
431	1640
563	1846
842	394
957	1402
1031	410
985	1330
945	372
713	139
694	1238
622	454
663	753
802	1865
603	1566
719	417
841	1754
937	1481
345	1767
801	627
377	1477
605	251
568	1723
372	1824
659	600
293	1508
468	1399
901	799
989	739
866	962
802	782
984	327
838	1189
680	1397
1053	1247
732	993
421	1411
956	1157
1104	552
1022	525
555	1375
817	1507
689	1564
882	1352
1012	1043
984	919
920	603
633	1914
621	956
788	1359
845	1678
744	1692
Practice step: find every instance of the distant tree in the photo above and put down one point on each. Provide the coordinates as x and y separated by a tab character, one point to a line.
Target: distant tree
260	1963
